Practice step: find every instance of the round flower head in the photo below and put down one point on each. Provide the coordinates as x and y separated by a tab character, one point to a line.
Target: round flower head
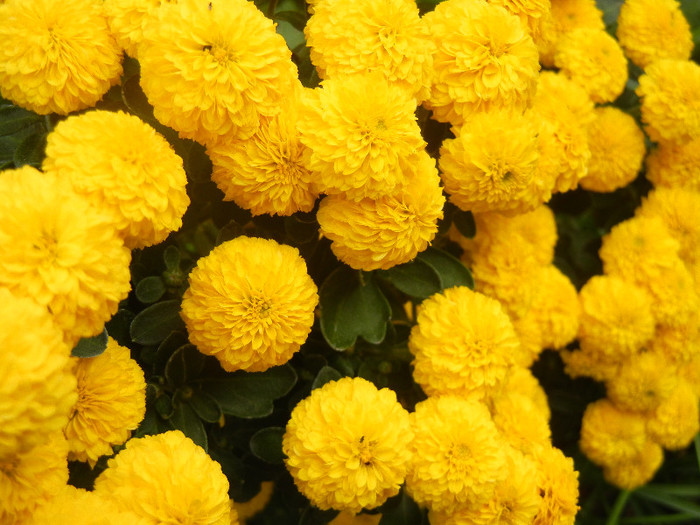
485	59
250	304
37	389
372	35
567	15
166	478
214	68
676	301
649	30
556	91
529	330
675	165
371	234
347	445
458	455
491	165
670	93
690	373
269	172
676	420
643	382
57	56
362	133
638	471
678	342
31	479
589	363
520	421
557	483
111	403
127	20
522	381
123	167
617	151
61	252
556	307
533	14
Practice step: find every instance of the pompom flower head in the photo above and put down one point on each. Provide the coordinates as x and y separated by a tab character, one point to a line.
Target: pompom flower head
347	445
57	56
566	16
166	478
213	68
675	165
250	304
124	167
557	483
127	19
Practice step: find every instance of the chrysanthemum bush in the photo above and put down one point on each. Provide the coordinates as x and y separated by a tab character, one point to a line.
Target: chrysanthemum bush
380	261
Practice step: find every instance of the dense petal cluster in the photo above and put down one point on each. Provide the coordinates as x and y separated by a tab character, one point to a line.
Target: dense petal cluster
557	483
127	20
566	16
675	165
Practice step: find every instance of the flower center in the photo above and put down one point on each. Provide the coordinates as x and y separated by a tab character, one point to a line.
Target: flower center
219	54
258	308
365	451
47	247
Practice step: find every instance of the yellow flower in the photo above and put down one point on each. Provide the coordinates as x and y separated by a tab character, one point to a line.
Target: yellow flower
649	30
372	35
520	421
533	14
485	59
690	373
678	343
31	479
675	165
521	381
589	363
250	304
567	15
371	234
122	166
670	93
556	91
37	388
127	20
643	382
638	471
529	329
56	57
166	478
362	134
617	150
676	301
61	252
462	344
214	68
557	482
491	165
111	403
269	172
556	307
676	420
347	445
458	455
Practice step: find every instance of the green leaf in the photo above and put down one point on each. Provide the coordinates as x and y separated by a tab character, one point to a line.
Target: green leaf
352	305
296	18
171	258
30	151
205	406
150	289
156	322
118	326
670	501
184	365
14	119
464	220
416	278
325	375
250	394
448	268
266	444
186	419
400	510
91	346
164	406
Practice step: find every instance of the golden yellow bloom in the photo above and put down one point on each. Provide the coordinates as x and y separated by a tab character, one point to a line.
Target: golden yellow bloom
250	304
649	30
371	234
556	307
127	20
521	381
520	421
347	445
556	90
617	150
269	172
674	423
362	134
643	382
676	301
590	363
122	166
675	165
679	342
372	35
214	68
111	403
37	388
463	344
533	14
491	165
485	59
459	456
629	475
670	93
566	16
31	479
690	373
61	252
166	478
557	482
529	329
56	57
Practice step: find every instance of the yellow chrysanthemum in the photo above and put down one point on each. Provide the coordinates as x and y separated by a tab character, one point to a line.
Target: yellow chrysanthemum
462	344
616	318
649	30
670	93
269	172
250	304
521	381
127	20
589	363
347	445
534	14
372	35
57	56
111	403
122	166
459	456
690	373
567	15
166	478
611	435
371	234
674	423
556	307
679	343
61	252
214	68
643	382
675	165
529	329
37	388
557	482
638	471
556	90
520	421
491	165
31	479
676	301
485	59
617	151
362	134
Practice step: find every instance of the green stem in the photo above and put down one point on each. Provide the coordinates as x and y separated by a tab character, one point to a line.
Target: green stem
271	8
619	507
48	123
697	448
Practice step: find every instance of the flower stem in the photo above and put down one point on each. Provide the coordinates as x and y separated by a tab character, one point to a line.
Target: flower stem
618	507
47	122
